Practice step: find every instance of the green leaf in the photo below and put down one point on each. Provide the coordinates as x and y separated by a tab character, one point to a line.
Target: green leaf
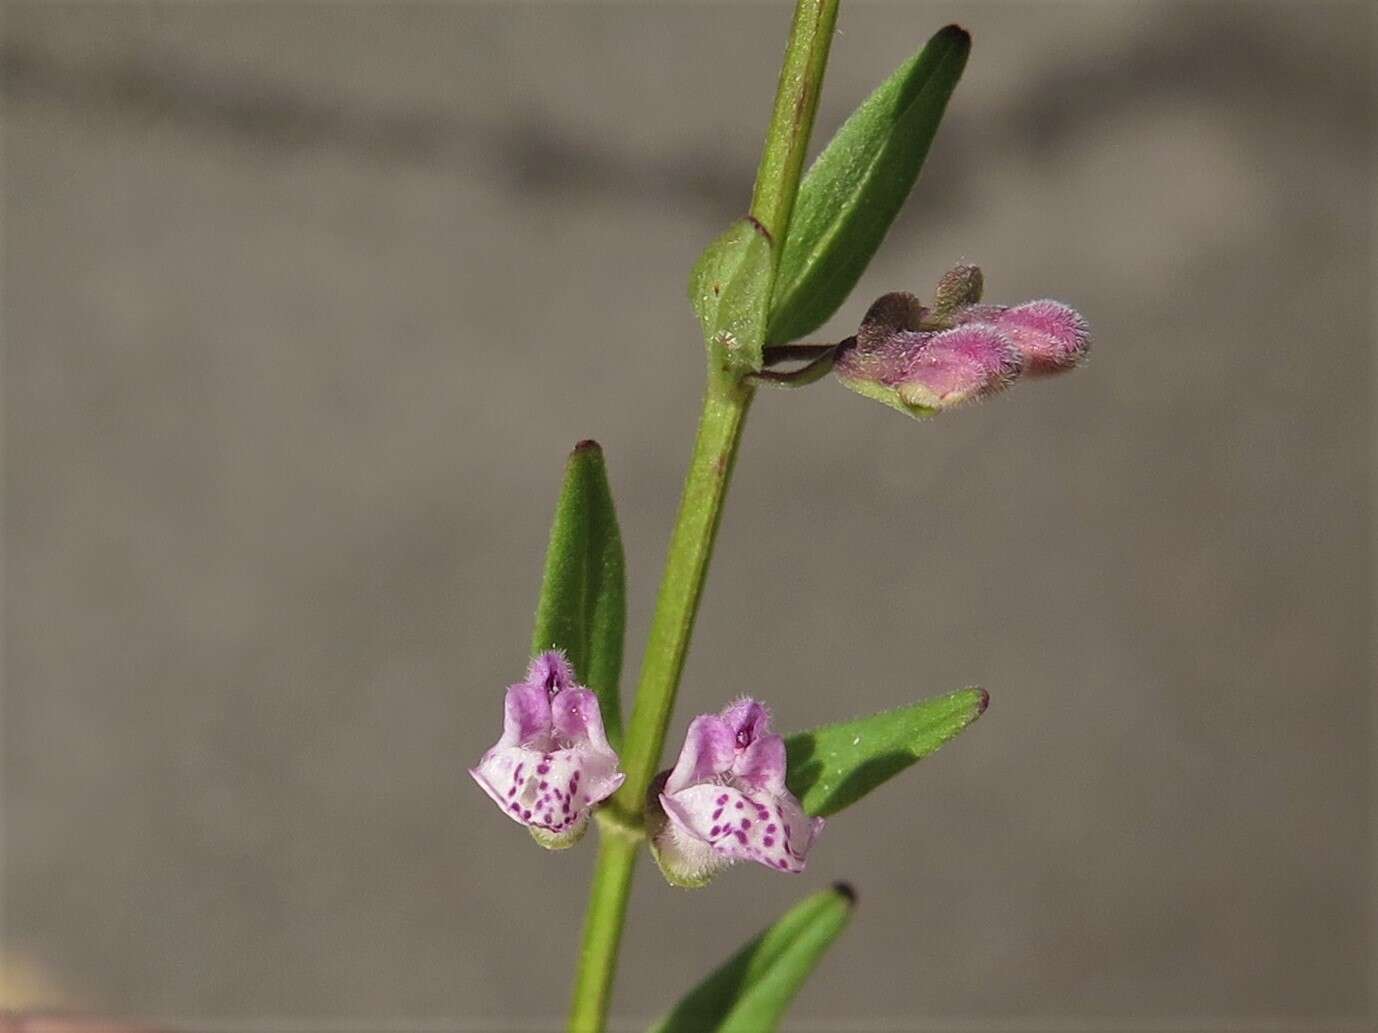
729	289
857	186
583	604
835	766
751	990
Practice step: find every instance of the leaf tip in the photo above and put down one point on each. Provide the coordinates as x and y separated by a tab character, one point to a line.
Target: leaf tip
954	33
846	891
982	703
587	445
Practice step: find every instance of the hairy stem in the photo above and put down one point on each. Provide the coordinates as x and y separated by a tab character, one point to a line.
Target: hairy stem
720	430
791	123
607	912
691	544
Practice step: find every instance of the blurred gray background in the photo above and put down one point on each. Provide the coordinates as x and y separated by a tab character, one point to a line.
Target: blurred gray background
303	306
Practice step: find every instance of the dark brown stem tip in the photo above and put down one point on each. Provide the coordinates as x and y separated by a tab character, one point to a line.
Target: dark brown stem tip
985	702
588	445
846	890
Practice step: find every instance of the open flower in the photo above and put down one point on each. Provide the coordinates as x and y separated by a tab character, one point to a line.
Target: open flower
921	360
553	762
726	800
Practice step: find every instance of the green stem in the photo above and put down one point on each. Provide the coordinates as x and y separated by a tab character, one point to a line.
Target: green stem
691	544
607	912
720	430
791	123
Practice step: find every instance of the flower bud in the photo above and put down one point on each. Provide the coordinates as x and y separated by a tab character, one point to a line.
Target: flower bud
1049	335
921	373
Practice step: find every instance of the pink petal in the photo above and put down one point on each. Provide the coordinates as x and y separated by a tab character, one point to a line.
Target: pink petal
508	775
568	783
1050	335
526	717
958	365
710	747
762	764
577	719
802	829
881	360
747	719
551	671
741	827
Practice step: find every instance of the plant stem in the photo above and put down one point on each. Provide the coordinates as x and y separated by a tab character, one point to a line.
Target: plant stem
725	405
607	911
791	123
720	430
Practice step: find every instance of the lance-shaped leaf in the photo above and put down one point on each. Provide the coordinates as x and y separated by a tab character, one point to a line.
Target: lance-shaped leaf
729	289
835	766
858	184
751	990
583	604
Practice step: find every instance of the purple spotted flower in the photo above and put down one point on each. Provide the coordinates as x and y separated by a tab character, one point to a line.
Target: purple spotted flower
553	762
924	359
726	800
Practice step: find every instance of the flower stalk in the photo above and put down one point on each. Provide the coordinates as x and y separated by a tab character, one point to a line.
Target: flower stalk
726	401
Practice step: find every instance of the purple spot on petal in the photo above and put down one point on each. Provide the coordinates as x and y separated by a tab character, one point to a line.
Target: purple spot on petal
526	815
542	769
714	830
746	823
741	837
770	828
768	841
717	814
740	805
722	799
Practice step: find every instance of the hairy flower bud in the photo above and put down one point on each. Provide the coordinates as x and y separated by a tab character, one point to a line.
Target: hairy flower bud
1050	336
920	373
922	360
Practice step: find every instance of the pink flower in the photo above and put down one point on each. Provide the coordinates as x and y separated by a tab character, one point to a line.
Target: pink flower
553	763
726	800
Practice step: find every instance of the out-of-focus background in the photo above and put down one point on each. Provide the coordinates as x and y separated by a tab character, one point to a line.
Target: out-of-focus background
303	306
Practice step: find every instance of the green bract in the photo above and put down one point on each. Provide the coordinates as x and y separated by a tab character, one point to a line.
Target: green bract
751	990
729	289
834	766
583	604
857	185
